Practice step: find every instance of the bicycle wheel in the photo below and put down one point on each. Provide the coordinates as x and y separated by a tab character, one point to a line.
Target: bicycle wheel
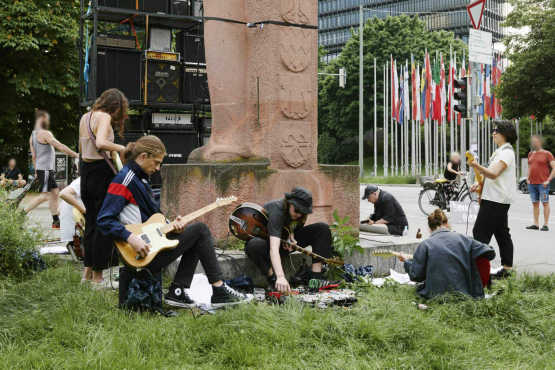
431	199
466	198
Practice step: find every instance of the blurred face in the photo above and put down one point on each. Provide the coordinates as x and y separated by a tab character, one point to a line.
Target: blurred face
150	164
11	163
455	158
536	143
294	212
373	198
44	122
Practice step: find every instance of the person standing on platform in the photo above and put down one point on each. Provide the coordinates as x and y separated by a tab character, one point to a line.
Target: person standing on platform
541	170
42	144
108	114
498	193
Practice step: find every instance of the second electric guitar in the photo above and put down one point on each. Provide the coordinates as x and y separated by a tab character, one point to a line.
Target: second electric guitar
479	178
154	231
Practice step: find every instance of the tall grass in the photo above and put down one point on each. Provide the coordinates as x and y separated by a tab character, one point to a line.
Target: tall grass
52	322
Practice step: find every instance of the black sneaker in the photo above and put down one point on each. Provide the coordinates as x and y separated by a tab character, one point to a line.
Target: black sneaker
226	296
502	274
533	227
177	296
544	228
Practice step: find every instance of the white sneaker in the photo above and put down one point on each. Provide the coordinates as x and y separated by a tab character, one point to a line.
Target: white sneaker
106	284
84	281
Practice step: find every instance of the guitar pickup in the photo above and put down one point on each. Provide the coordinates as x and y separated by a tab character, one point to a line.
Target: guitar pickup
145	238
160	232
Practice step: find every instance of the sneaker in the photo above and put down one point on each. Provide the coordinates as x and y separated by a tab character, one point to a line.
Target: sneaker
85	281
533	227
227	296
544	228
106	284
177	296
56	225
502	274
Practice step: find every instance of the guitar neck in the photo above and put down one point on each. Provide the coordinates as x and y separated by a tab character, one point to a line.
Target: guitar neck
307	252
190	217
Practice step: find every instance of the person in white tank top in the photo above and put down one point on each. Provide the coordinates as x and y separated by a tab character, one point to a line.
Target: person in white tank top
42	144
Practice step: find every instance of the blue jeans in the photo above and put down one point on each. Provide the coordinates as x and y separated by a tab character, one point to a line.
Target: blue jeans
538	192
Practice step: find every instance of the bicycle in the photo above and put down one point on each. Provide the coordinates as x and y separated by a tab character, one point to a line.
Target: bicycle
436	195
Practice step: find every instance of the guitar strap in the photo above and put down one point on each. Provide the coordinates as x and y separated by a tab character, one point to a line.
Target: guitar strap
102	152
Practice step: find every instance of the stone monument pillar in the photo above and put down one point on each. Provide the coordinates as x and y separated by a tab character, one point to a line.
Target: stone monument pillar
263	86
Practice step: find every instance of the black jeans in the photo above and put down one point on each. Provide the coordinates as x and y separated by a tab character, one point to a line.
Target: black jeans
99	249
195	244
316	235
493	220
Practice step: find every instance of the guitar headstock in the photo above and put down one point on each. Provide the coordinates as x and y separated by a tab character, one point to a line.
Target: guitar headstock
471	156
226	201
384	253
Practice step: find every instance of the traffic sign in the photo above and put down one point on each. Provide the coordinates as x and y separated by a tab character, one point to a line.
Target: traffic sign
476	11
480	46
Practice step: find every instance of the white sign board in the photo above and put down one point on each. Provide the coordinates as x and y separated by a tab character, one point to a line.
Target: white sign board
480	46
464	212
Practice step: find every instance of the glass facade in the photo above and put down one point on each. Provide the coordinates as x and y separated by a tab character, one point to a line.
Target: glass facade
337	17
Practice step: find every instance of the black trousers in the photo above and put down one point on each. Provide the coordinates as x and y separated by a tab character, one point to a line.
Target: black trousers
316	235
493	220
195	244
95	180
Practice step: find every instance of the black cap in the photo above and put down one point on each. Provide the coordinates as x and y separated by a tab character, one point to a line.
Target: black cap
302	198
369	190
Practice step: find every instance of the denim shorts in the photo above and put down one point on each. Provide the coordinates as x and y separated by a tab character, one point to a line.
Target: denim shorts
538	192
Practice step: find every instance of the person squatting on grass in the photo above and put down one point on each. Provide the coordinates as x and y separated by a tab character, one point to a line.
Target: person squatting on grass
541	171
498	193
11	176
446	261
130	200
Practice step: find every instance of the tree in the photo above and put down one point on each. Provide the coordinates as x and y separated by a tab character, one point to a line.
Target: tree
527	86
338	108
38	70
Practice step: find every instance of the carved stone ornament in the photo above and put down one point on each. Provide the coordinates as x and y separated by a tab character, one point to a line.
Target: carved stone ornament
294	95
295	142
294	11
295	47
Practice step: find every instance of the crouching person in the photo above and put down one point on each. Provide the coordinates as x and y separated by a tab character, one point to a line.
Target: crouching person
130	200
446	261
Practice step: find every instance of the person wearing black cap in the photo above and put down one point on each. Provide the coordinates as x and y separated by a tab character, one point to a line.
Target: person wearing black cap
291	212
387	210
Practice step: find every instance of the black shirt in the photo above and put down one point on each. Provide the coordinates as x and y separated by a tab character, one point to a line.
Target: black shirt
11	174
277	219
450	175
390	210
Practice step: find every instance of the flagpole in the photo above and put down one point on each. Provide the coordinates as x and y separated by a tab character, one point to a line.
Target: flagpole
392	159
360	100
375	123
384	122
455	119
386	126
401	129
407	118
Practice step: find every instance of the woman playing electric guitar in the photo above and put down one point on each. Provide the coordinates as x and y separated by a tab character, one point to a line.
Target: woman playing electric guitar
498	193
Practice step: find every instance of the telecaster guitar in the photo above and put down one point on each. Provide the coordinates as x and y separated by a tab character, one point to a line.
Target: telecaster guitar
479	178
154	231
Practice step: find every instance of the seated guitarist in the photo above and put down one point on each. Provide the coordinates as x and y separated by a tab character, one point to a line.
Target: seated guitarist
290	212
130	200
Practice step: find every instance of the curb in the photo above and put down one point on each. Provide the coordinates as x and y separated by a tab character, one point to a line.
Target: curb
399	185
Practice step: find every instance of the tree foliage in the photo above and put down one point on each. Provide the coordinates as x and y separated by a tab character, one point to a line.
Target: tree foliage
38	70
338	108
528	84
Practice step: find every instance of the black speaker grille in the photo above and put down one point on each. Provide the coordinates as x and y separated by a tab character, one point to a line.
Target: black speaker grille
163	82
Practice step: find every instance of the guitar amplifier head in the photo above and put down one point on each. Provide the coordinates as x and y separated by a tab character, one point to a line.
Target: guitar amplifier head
160	40
116	41
160	55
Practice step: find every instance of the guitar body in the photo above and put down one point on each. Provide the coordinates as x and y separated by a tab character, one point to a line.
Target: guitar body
479	178
117	161
150	232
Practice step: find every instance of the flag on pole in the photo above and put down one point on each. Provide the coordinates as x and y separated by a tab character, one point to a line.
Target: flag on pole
414	109
416	96
423	91
406	90
499	75
436	80
487	87
428	104
481	89
396	91
442	88
393	102
401	110
450	111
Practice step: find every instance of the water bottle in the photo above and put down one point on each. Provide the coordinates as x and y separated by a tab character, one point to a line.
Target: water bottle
406	231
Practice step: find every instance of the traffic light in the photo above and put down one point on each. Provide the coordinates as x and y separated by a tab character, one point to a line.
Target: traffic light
342	77
463	96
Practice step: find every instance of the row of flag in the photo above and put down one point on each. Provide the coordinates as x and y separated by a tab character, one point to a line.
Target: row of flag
433	95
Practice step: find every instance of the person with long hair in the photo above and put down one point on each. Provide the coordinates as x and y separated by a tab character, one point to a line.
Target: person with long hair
291	212
498	193
130	200
446	261
108	115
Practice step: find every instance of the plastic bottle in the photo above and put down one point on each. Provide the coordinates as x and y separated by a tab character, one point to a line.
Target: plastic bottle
406	231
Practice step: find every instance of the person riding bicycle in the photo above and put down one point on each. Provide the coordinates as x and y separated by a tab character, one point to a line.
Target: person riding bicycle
451	171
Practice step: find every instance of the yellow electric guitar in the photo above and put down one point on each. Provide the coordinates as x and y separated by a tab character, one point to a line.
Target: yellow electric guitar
117	161
154	231
479	178
387	253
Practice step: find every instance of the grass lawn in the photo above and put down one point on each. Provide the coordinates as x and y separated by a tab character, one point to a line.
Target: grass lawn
51	321
380	179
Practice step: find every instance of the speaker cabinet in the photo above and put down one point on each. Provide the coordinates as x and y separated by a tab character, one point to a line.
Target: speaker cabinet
116	68
149	6
180	7
195	86
137	124
163	82
191	48
178	145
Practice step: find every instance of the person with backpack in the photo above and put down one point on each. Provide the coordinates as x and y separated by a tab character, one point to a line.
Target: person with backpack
541	170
